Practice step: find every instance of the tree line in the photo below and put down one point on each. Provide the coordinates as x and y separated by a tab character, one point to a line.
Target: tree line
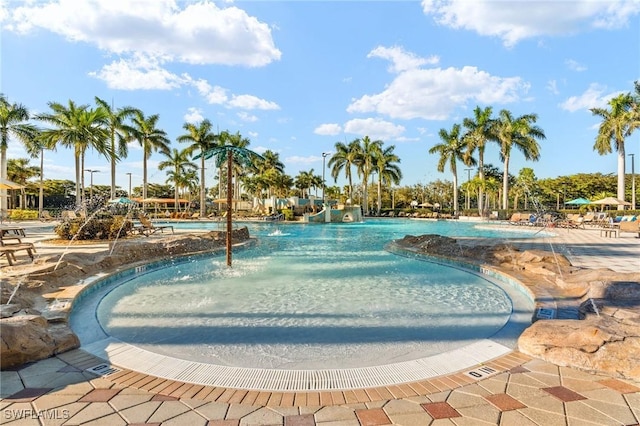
108	131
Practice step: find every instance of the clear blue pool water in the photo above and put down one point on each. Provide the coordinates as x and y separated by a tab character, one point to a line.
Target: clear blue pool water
310	296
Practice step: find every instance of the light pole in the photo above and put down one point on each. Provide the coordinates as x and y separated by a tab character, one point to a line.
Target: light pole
91	172
633	184
324	157
129	174
468	200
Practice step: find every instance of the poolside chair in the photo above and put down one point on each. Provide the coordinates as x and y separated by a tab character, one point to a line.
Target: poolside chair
195	216
514	219
69	215
147	228
46	217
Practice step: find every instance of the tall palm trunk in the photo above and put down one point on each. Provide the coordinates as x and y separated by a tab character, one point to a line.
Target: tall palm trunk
144	178
78	179
505	184
481	176
379	193
41	192
113	166
3	174
621	170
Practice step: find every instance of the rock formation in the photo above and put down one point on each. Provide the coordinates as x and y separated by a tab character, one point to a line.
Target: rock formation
597	322
31	329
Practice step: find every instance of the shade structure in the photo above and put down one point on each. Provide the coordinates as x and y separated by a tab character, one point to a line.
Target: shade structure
122	200
611	201
7	184
579	201
425	205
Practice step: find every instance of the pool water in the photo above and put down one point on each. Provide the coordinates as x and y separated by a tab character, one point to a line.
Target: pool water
310	296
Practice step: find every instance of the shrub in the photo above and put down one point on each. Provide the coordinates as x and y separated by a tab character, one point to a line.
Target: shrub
94	229
20	214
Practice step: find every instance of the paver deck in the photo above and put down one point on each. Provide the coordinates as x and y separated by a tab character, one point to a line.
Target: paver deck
512	389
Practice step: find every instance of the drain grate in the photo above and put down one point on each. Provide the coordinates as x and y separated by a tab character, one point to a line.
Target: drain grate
136	359
481	373
545	313
103	369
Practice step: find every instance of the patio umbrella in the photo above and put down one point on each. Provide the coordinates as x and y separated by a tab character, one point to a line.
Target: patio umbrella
425	205
122	200
579	201
610	201
7	184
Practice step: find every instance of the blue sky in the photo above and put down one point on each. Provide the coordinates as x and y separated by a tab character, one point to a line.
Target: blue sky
297	76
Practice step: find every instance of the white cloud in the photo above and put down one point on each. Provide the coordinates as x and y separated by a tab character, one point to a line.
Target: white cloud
193	115
401	60
432	94
139	72
592	98
199	33
215	95
328	129
375	128
253	134
245	116
552	86
513	21
250	102
575	65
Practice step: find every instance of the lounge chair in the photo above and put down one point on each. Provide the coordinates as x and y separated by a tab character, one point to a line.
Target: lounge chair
9	251
46	217
69	215
147	228
515	219
589	219
195	216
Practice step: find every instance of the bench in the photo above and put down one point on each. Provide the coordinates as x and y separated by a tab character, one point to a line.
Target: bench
9	251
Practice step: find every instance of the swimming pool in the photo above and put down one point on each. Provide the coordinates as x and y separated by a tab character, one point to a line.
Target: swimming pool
307	297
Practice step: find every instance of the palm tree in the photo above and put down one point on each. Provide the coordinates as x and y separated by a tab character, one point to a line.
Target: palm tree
303	182
19	171
388	171
238	141
520	133
13	119
365	159
116	129
452	149
35	148
479	132
617	124
226	153
202	138
78	127
345	157
269	163
179	164
143	129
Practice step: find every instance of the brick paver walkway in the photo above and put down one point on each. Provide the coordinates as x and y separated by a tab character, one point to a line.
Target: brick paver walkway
511	390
